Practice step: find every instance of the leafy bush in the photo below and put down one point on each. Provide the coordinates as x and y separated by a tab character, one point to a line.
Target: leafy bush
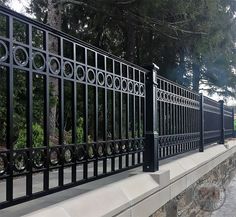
21	140
37	137
80	130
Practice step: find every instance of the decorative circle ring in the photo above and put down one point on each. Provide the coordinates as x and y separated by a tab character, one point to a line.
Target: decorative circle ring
37	57
165	96
169	97
117	83
117	148
3	164
54	65
100	150
54	157
109	149
80	153
124	85
136	88
162	95
68	69
20	56
91	152
91	76
68	155
141	89
38	159
20	161
4	56
131	86
80	73
123	147
101	78
109	80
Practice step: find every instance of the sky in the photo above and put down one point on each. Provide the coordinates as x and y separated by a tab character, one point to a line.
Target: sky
19	6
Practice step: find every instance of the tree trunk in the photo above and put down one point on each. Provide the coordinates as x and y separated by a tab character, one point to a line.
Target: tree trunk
54	20
130	41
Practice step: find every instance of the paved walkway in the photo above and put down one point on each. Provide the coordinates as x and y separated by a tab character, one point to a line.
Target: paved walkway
229	207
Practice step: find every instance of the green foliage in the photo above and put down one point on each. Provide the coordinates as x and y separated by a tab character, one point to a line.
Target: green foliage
80	130
191	41
234	124
37	137
21	140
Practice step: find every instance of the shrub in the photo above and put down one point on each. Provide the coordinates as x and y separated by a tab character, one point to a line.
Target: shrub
80	130
37	137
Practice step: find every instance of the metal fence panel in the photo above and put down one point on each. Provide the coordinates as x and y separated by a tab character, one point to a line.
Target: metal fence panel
178	118
212	116
70	112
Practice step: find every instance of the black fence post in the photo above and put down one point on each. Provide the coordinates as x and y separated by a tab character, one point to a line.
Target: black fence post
222	129
150	154
201	145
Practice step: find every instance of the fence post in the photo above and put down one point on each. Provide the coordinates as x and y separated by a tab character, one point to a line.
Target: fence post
150	154
222	129
201	145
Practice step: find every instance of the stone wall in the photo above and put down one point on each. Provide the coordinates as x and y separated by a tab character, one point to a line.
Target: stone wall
184	204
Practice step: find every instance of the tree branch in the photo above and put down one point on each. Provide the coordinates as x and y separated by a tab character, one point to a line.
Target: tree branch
125	2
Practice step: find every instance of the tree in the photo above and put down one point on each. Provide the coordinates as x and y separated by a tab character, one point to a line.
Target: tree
193	42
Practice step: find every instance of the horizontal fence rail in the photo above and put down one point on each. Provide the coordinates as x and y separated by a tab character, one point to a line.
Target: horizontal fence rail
71	113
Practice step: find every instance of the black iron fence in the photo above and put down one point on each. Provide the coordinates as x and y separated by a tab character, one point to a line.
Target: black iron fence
179	120
71	113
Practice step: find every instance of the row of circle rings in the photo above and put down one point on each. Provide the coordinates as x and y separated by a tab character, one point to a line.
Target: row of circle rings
21	58
109	80
175	99
108	149
185	93
20	160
